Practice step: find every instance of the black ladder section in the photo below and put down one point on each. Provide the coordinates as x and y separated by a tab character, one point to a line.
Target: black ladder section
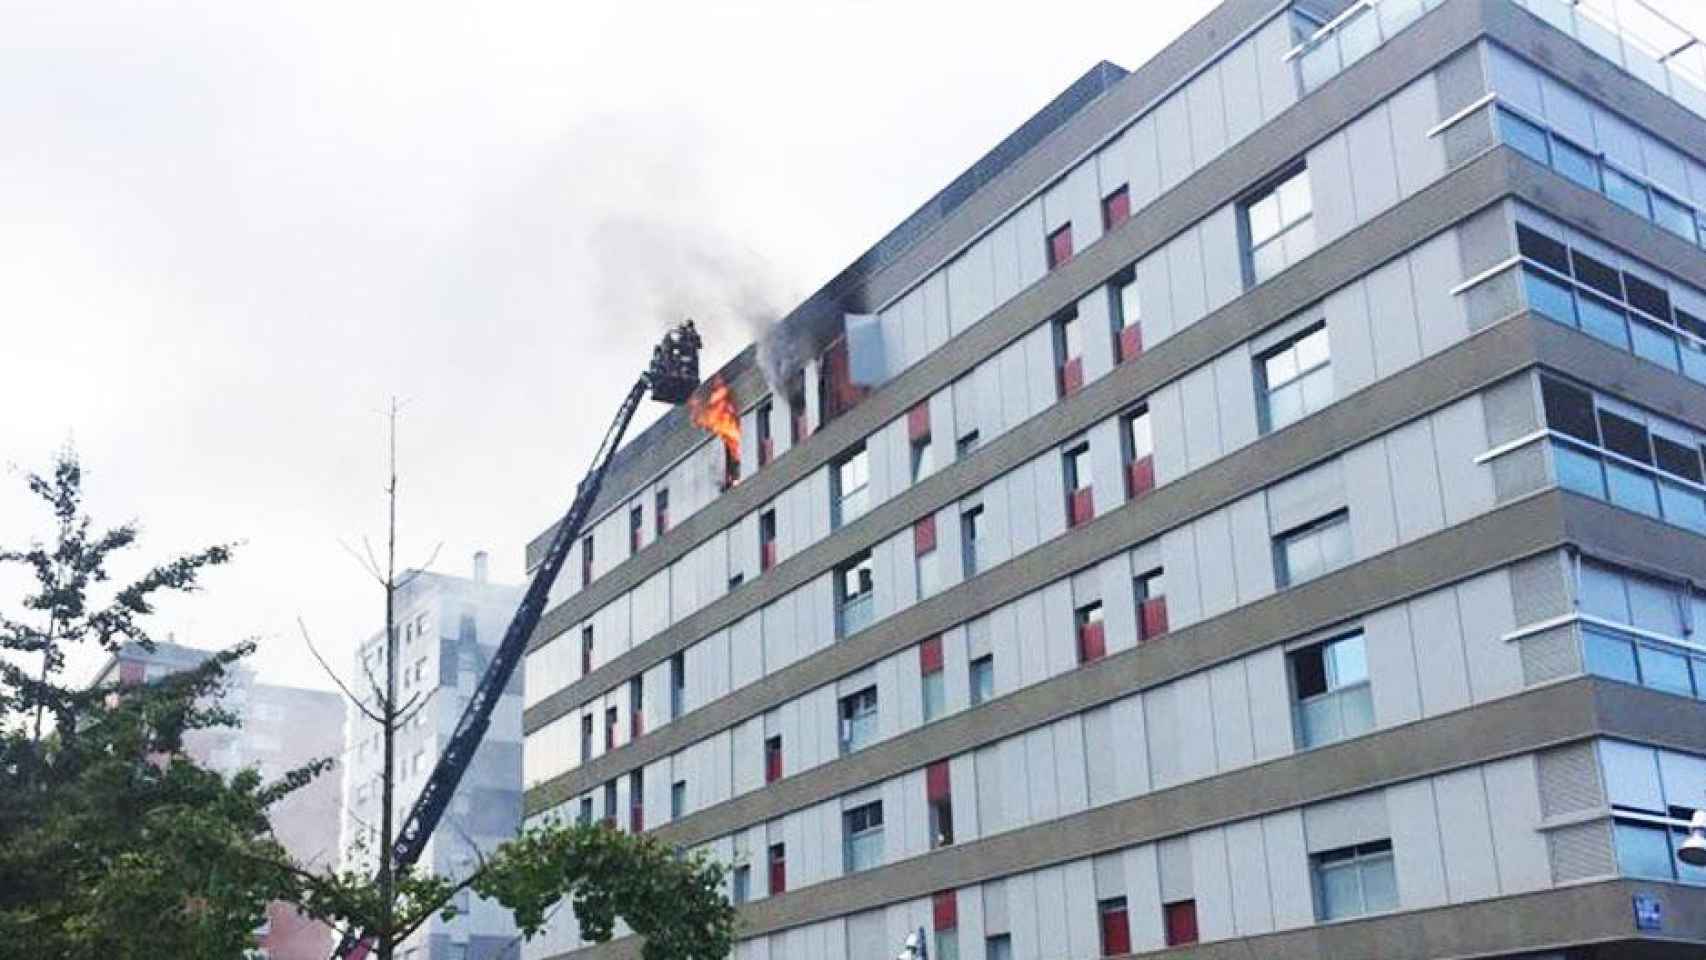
671	378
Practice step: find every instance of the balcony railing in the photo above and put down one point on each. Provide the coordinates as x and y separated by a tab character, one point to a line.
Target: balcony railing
1637	37
1350	36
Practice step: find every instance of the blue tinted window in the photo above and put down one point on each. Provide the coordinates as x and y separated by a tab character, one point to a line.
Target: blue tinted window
1575	163
1606	655
1578	471
1627	193
1527	138
1604	321
1549	297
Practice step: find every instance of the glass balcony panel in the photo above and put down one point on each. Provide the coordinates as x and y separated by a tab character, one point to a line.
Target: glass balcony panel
1607	655
1319	64
1358	710
1627	193
1575	164
1674	217
1578	472
1549	298
1528	139
1603	321
1653	343
1664	670
1632	489
1683	506
1642	851
1693	360
856	614
1359	35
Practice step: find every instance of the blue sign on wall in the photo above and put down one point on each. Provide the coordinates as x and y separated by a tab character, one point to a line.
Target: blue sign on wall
1649	915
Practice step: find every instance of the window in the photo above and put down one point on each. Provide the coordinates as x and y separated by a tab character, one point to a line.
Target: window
863	836
636	707
586	560
743	884
1060	246
923	459
1616	455
636	528
586	811
939	796
1092	642
766	443
923	548
982	679
677	686
767	539
854	592
1278	226
1180	920
1116	929
610	728
998	947
1126	313
1313	549
849	477
610	803
1137	448
933	676
971	531
1296	379
773	759
677	799
778	861
1330	683
1527	138
965	444
1353	881
1116	207
1080	496
660	512
1068	354
858	719
1649	820
637	801
796	390
586	649
1151	593
586	738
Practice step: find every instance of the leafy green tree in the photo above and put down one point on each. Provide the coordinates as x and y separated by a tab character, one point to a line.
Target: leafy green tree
114	844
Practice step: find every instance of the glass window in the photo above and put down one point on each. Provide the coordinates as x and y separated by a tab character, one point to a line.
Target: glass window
1353	881
935	695
1297	378
1569	410
858	719
1542	249
1279	226
1676	459
1128	305
1330	681
1597	275
1076	461
971	531
863	829
850	475
1664	669
1069	337
1311	551
999	947
1140	442
1625	437
677	799
854	588
743	884
1527	138
982	679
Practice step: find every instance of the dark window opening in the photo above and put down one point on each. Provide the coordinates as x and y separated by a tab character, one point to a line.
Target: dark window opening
1569	410
1624	437
1543	249
1597	275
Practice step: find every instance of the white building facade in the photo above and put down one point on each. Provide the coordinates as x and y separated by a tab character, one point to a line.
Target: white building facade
1278	529
448	629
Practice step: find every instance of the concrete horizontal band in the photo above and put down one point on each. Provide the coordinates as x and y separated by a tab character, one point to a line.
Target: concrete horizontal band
1534	720
1244	164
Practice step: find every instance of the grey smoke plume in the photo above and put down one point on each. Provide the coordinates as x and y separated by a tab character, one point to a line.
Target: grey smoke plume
651	274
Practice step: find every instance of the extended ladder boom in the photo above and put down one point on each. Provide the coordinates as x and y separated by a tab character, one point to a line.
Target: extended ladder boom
672	376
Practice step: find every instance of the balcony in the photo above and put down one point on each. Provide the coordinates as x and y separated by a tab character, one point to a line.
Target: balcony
856	613
1638	38
1350	36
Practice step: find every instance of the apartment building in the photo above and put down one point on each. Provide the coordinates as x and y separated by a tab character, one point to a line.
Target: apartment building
448	630
280	728
1276	527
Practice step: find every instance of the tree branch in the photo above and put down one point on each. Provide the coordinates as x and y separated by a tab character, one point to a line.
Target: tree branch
333	674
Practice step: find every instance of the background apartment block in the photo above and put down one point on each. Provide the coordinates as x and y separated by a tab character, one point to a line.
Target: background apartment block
448	630
281	729
1276	527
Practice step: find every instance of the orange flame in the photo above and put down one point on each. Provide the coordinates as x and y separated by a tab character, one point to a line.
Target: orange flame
713	409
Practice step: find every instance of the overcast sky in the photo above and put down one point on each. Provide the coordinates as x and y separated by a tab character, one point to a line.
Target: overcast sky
231	230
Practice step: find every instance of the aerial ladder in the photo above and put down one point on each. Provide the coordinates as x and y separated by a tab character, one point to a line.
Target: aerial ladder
671	378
